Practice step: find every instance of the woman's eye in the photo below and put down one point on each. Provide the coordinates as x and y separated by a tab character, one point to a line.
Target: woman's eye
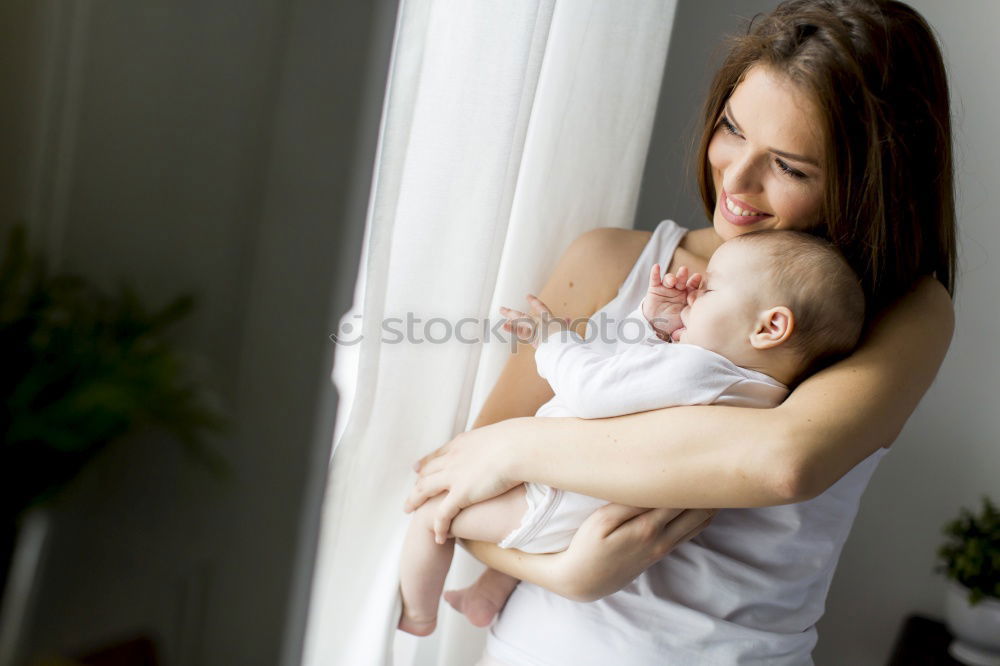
728	126
794	173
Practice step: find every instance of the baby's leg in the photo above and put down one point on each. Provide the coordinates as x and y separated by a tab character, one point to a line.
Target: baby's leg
425	563
564	513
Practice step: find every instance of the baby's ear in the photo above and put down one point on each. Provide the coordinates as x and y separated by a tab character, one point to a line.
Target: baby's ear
773	328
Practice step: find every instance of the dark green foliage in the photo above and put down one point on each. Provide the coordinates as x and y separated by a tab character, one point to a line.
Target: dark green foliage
971	555
80	369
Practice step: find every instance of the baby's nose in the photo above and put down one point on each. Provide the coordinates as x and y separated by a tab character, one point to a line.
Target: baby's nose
693	296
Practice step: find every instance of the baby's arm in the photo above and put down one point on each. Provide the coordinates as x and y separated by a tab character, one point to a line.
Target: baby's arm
644	376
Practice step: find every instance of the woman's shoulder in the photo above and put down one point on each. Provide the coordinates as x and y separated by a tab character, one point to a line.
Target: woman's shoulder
598	261
618	249
593	267
926	310
926	299
609	244
930	289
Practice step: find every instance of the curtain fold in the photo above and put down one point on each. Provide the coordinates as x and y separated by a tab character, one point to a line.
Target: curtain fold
508	129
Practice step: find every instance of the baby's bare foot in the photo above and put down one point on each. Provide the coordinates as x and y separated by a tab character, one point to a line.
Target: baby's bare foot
474	604
481	601
417	626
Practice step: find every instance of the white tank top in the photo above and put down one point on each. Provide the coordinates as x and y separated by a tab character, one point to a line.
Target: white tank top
748	590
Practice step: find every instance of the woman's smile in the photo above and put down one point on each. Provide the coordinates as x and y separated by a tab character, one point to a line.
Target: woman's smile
738	212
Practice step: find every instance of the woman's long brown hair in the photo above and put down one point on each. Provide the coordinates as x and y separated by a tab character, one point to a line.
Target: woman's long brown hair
876	74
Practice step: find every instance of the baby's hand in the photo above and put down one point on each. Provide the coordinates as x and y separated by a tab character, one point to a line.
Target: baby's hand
533	328
666	297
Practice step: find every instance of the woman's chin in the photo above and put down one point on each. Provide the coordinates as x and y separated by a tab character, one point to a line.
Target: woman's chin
724	229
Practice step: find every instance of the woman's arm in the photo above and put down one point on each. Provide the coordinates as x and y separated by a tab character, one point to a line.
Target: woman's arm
614	545
717	456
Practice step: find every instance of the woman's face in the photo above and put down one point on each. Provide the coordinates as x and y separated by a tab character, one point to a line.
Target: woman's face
766	156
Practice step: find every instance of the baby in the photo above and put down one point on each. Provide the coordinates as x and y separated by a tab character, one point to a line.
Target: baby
771	307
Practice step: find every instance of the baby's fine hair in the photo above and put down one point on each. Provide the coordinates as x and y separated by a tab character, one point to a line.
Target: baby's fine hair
819	287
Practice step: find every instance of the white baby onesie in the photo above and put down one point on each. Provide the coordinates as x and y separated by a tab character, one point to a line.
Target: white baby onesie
643	373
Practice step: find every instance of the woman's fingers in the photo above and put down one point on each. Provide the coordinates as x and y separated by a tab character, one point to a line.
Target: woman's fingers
618	542
663	529
694	282
680	528
425	488
613	515
432	466
697	530
446	512
619	513
417	466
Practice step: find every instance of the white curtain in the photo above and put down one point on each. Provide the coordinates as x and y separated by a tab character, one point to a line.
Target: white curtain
509	128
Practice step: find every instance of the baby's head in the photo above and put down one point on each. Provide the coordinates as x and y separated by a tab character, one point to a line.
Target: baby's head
782	302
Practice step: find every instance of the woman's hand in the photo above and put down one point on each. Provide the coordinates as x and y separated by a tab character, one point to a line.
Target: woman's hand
470	468
617	543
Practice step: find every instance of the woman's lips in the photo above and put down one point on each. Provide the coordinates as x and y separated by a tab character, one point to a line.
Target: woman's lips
733	218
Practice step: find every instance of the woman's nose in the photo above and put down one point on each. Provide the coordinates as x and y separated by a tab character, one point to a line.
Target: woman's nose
740	176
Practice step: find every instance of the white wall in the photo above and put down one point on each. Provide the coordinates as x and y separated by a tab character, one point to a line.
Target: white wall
949	453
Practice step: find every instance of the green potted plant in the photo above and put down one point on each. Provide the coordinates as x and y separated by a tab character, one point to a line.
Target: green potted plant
970	559
82	368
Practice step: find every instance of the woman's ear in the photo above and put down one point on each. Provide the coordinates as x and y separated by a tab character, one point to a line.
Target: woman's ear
773	327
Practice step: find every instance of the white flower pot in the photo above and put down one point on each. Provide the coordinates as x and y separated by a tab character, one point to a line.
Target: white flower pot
976	628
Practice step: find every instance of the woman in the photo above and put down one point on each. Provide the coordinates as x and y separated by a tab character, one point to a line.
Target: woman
830	116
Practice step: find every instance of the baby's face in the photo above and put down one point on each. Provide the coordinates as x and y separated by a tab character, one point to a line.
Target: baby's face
720	316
